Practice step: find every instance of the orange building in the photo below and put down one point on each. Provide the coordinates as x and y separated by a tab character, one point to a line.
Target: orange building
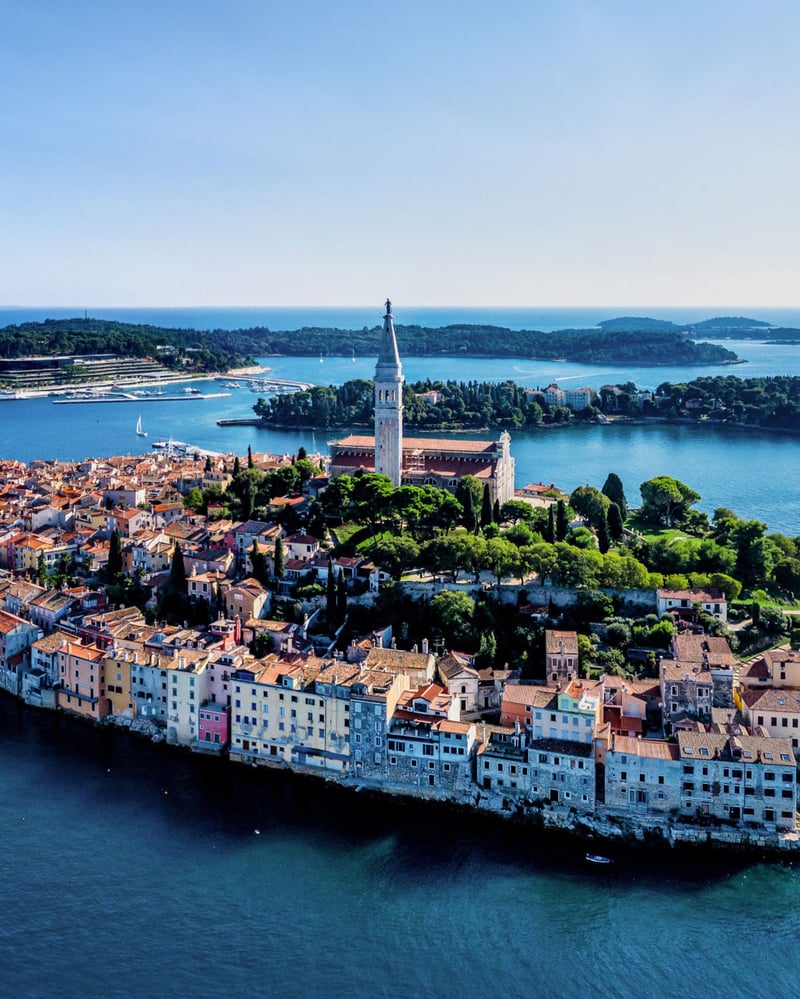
81	672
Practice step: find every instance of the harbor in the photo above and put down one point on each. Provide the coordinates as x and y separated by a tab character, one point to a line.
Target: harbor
187	395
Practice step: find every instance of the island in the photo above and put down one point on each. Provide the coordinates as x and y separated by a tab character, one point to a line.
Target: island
87	351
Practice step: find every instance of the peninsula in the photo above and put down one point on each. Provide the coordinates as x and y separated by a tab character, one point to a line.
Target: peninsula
400	617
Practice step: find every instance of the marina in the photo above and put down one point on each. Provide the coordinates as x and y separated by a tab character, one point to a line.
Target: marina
187	396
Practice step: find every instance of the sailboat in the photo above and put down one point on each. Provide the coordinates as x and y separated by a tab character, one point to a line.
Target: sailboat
139	431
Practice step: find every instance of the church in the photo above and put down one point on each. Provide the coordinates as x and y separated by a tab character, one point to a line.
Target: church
418	461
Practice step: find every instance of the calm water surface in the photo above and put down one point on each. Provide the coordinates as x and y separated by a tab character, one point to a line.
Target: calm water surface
752	472
132	870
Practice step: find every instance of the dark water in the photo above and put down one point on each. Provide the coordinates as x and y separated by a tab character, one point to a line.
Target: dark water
128	869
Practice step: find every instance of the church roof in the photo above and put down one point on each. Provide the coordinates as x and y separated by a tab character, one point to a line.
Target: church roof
424	444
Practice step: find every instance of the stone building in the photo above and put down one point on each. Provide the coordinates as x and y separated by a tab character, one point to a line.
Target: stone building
686	694
561	655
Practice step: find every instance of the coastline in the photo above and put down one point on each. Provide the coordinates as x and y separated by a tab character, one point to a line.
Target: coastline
571	833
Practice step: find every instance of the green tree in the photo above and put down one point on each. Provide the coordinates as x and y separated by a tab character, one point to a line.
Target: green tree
615	523
562	520
396	554
115	555
550	533
453	614
279	563
330	594
249	456
341	598
486	506
261	645
237	467
469	517
259	563
603	536
666	499
612	488
41	570
502	558
177	571
589	503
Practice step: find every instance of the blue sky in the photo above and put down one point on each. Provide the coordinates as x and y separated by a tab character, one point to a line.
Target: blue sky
185	152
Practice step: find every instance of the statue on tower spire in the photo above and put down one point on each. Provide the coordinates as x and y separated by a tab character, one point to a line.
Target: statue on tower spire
388	307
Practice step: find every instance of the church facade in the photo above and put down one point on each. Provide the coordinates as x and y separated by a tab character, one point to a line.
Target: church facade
418	461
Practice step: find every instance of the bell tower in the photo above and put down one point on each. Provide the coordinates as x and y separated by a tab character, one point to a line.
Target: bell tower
389	404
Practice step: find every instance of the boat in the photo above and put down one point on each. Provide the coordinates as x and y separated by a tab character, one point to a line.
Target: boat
139	431
321	359
598	858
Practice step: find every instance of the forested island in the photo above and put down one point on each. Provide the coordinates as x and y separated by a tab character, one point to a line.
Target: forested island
624	341
450	405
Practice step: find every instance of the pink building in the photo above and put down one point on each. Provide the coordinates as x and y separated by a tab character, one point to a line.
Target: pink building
213	726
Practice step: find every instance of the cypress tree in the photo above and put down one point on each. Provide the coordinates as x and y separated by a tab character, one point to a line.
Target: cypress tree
177	571
330	594
603	535
259	563
279	560
115	555
550	530
470	519
615	525
341	598
613	489
249	456
562	521
496	511
486	506
208	463
237	466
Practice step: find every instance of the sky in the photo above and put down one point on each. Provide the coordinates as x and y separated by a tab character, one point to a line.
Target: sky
252	152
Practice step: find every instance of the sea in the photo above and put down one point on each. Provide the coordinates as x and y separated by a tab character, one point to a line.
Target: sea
129	869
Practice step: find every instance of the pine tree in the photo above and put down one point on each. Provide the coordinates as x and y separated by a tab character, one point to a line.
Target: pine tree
115	555
562	520
486	506
550	531
41	570
301	453
279	559
603	536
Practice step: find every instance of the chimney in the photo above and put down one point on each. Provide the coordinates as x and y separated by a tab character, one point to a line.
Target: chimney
425	646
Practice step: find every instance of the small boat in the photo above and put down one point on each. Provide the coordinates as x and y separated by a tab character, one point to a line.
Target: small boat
321	359
139	431
597	858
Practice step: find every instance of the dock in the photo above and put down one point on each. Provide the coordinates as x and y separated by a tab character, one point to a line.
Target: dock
132	397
